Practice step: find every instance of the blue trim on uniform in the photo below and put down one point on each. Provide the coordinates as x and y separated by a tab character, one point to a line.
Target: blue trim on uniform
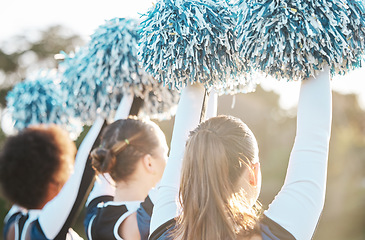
36	231
144	213
163	231
271	230
8	224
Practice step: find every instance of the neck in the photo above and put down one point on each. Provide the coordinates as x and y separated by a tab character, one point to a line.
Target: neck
131	190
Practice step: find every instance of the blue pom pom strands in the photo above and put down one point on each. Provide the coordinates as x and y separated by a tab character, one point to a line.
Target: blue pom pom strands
40	100
88	95
293	39
189	41
113	56
99	75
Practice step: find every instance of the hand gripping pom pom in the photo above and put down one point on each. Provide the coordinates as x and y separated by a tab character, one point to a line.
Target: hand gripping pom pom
296	39
107	69
40	100
183	42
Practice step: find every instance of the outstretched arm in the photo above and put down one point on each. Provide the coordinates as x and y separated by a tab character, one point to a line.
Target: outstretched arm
212	105
186	119
298	205
56	212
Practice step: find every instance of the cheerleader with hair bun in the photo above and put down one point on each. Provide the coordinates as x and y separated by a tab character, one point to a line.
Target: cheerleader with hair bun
130	161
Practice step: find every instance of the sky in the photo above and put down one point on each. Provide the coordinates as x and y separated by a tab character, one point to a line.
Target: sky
83	17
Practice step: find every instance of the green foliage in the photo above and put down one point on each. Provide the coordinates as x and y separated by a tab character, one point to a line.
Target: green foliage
3	93
8	63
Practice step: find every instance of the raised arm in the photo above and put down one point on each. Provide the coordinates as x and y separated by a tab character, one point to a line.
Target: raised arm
56	212
212	105
186	119
299	204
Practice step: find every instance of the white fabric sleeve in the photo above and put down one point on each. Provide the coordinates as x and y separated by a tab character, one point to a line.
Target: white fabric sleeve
186	119
298	205
212	105
55	213
104	185
124	107
153	193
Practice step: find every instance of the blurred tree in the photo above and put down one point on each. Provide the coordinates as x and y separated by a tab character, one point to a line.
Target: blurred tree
23	54
8	63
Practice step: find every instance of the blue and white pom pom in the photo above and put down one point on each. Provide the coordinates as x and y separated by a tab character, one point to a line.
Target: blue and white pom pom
113	56
191	41
88	96
40	100
99	75
116	42
294	39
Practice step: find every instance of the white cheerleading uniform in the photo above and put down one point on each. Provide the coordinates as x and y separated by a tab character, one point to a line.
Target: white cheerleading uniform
296	209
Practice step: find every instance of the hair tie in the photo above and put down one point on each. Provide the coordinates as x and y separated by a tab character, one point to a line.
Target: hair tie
126	141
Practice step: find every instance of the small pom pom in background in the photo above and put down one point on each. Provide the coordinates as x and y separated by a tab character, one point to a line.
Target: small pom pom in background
191	41
293	39
40	100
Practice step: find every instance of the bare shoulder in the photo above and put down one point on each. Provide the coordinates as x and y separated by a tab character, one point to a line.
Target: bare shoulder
128	230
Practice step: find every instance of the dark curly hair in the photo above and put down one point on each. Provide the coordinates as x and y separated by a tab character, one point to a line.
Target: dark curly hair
31	160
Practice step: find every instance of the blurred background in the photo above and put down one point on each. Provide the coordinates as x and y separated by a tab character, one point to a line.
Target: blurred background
32	32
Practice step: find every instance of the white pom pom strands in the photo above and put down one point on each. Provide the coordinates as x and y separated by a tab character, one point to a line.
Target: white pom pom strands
183	42
40	100
296	39
99	75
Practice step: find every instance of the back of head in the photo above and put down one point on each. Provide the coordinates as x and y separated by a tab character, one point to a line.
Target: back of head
31	161
123	143
214	205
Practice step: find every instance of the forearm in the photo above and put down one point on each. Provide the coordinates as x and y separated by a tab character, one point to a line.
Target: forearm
299	204
124	107
187	118
53	217
212	105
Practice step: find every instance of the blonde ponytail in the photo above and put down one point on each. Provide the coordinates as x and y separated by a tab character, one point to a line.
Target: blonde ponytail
213	207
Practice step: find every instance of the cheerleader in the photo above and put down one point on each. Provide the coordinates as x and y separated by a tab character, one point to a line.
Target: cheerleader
39	177
217	179
130	161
